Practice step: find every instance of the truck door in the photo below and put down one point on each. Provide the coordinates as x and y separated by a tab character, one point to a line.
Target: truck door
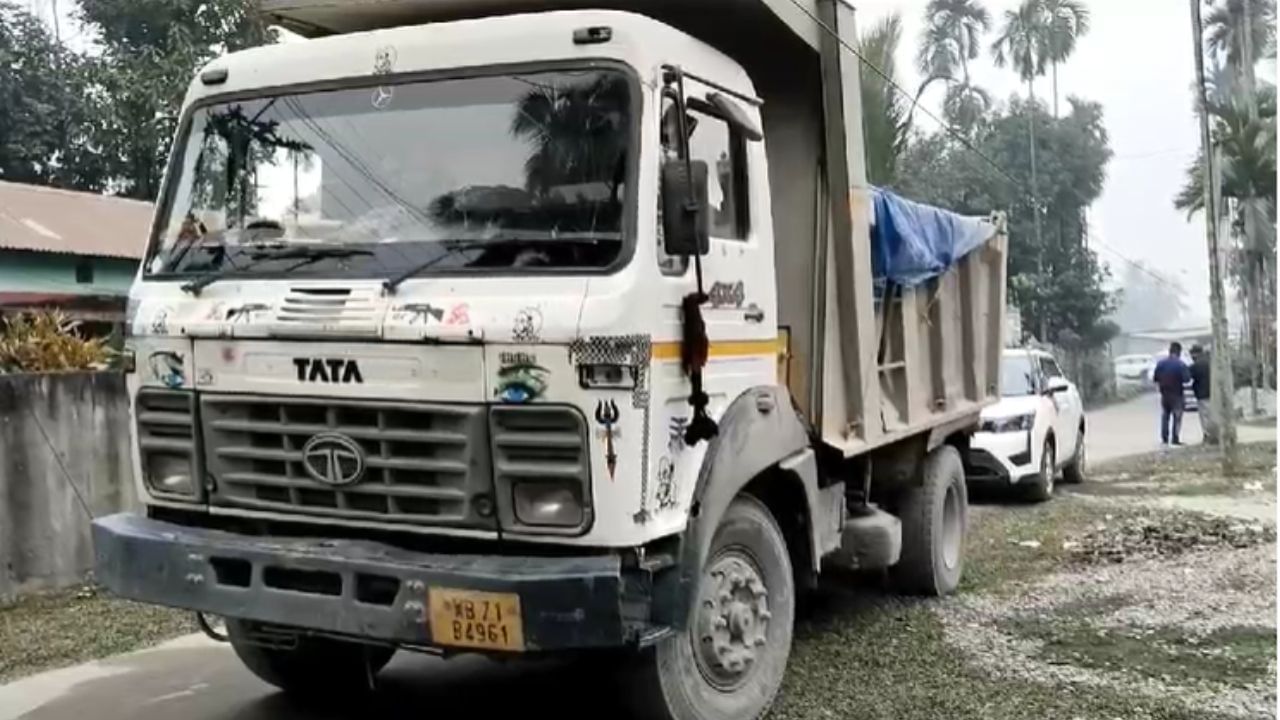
738	271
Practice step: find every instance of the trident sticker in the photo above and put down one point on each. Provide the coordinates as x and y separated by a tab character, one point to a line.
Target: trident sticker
607	415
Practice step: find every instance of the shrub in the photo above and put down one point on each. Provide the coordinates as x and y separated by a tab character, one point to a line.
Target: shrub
48	341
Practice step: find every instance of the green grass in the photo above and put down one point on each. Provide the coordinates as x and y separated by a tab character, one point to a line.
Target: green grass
860	652
46	631
1235	656
1187	472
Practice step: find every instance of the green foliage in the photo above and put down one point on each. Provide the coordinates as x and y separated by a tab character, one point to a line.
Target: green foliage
1022	43
48	342
1061	281
1064	21
885	121
952	37
1225	35
103	121
41	109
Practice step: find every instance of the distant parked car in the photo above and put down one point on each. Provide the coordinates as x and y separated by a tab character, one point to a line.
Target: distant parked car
1134	368
1035	431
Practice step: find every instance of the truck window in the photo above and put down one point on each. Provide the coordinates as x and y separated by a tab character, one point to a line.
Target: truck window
504	172
715	143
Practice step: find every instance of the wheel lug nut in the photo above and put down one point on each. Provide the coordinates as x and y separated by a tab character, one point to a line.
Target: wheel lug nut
759	641
720	623
708	604
707	638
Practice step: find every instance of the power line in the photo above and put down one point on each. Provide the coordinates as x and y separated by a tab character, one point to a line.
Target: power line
960	138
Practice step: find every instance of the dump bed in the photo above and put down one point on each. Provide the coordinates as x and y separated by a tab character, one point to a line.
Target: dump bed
870	360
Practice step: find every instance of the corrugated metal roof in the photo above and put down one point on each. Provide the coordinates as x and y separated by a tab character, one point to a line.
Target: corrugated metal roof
44	219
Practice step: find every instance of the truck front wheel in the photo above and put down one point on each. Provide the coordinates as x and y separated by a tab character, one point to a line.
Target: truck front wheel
313	666
934	517
728	664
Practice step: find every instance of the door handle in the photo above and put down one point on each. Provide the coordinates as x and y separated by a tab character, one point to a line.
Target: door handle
753	314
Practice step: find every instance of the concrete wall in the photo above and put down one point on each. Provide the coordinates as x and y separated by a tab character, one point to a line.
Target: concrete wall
24	271
44	530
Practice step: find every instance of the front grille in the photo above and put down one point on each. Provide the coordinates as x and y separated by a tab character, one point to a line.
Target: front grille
424	463
332	309
166	429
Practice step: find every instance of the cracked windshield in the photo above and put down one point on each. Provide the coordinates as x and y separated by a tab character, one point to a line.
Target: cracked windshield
498	172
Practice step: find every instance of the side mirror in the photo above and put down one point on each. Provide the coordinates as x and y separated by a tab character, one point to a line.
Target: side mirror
686	213
1056	385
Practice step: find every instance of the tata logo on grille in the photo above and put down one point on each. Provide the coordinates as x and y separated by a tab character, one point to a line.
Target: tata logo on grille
330	370
333	459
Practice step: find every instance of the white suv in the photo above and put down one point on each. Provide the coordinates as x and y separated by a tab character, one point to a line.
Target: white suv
1035	431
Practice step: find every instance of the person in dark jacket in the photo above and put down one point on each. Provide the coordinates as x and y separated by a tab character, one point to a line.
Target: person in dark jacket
1171	376
1200	376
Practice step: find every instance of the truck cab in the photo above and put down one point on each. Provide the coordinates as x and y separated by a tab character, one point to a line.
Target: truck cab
466	328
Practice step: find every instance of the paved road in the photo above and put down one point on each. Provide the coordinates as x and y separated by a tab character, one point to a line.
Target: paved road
196	679
193	678
1133	427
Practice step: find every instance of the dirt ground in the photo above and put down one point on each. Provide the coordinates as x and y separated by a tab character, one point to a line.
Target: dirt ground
1113	600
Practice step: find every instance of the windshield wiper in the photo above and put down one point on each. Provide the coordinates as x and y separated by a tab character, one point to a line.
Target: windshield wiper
523	241
391	283
305	255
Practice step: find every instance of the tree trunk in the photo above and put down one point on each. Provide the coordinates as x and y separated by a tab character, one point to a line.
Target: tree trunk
1055	88
1035	212
1222	393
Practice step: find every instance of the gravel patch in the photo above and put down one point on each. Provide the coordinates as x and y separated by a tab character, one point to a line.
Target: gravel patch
51	630
1119	539
1185	629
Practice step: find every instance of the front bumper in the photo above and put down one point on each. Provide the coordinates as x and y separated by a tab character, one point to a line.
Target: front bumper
1000	458
366	589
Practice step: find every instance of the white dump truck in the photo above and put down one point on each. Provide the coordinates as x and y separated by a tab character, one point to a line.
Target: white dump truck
526	326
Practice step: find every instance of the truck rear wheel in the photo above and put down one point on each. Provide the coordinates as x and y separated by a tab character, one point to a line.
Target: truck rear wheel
314	666
934	517
728	663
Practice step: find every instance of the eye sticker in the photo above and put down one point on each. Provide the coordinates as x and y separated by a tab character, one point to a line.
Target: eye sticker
521	382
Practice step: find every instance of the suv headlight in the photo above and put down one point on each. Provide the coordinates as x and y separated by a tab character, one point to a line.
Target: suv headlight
1016	423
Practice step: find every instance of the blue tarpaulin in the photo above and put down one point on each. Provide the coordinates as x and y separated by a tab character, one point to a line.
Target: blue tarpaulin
912	242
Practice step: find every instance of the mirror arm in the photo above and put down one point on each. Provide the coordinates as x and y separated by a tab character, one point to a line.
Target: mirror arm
695	345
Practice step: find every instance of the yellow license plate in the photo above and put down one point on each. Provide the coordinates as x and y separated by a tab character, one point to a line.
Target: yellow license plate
475	619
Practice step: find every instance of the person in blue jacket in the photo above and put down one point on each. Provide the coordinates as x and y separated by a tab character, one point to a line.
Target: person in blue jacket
1171	376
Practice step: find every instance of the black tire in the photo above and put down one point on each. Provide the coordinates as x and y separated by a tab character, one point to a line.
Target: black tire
1040	488
315	667
1074	471
690	675
934	519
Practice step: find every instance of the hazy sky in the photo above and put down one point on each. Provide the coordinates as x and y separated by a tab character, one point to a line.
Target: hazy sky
1137	62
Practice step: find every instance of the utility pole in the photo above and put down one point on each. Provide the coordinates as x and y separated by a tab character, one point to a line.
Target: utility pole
1041	310
1222	395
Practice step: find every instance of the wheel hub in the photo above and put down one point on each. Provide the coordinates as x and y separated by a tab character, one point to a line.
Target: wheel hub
732	621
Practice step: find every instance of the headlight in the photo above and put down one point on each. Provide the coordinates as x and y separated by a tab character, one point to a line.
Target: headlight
170	474
1017	423
541	503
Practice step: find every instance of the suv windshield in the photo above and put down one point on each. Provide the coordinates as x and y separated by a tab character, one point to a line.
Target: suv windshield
497	172
1017	376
